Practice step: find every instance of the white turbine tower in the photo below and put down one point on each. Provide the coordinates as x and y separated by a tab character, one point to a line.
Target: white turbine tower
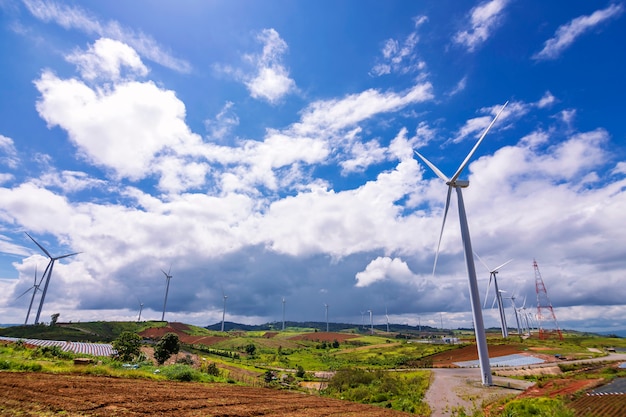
371	322
458	185
49	275
34	288
283	314
224	297
167	289
140	309
387	317
326	307
498	296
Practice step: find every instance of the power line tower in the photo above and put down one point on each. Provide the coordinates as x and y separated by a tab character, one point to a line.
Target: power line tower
544	308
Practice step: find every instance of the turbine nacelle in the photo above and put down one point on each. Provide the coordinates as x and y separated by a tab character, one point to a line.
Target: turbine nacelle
458	183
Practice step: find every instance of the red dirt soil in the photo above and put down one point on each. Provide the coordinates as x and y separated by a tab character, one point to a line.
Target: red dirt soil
180	329
470	353
36	394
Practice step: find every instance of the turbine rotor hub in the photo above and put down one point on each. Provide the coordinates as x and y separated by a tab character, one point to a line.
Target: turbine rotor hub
458	183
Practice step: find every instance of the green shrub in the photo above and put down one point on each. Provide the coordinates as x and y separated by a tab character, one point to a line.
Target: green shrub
529	407
182	373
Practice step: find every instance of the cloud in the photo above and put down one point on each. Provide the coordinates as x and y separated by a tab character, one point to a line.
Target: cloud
8	153
547	100
566	34
223	124
106	59
477	125
71	17
400	57
271	82
383	268
484	19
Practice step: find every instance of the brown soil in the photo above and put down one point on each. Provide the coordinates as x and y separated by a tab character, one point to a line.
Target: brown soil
560	387
180	329
37	394
469	353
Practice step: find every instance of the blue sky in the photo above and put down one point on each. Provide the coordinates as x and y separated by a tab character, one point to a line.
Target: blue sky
264	150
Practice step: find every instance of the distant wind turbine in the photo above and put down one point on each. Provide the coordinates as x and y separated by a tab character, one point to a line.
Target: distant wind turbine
34	288
49	274
167	289
140	309
283	314
387	317
458	185
326	307
371	322
498	296
224	297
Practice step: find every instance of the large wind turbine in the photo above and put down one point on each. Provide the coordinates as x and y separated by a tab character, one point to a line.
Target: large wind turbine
48	276
498	296
140	310
167	289
34	288
458	185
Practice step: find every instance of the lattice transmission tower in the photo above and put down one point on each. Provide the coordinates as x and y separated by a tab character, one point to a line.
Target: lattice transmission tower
545	312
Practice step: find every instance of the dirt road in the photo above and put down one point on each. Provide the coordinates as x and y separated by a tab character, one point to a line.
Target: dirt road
454	388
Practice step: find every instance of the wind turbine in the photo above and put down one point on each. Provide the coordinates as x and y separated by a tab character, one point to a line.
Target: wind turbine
140	309
458	185
49	271
283	314
326	307
498	296
387	317
512	298
371	322
224	297
167	289
35	288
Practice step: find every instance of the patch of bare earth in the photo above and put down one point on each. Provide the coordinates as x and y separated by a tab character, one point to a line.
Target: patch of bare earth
37	394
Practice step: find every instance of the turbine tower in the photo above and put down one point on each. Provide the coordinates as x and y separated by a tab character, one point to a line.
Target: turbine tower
544	307
167	289
224	297
326	307
140	310
34	288
498	296
283	314
458	185
371	322
49	274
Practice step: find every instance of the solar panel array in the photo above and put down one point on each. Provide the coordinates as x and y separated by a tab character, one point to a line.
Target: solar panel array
94	349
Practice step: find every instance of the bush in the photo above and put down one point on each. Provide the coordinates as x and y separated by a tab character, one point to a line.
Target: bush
182	373
537	407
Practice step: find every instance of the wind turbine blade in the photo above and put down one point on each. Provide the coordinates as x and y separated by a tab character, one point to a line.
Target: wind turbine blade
488	286
40	247
469	155
443	224
494	302
484	264
503	265
24	293
166	276
35	281
65	256
433	167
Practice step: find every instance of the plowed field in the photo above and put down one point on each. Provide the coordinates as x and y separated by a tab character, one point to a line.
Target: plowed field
37	394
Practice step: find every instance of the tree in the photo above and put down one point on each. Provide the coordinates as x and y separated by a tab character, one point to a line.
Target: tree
54	318
250	349
128	346
168	345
